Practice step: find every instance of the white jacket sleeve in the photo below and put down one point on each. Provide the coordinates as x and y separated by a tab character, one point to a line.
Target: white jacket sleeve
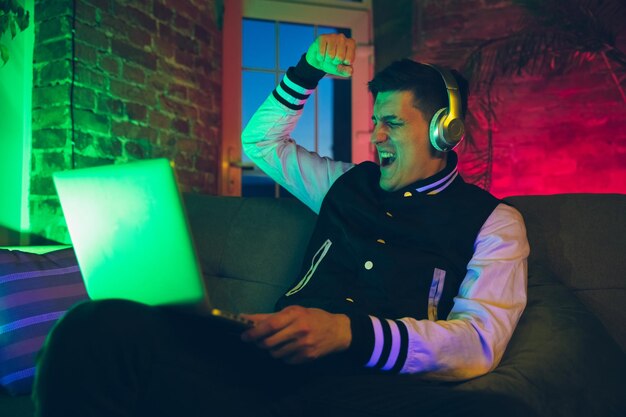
486	310
267	142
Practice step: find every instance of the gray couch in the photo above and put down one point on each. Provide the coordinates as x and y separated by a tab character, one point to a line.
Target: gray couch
567	356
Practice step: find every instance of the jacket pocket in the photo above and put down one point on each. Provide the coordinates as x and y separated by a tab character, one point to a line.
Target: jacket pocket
317	259
436	290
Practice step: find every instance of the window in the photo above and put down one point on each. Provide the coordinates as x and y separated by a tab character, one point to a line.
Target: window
262	39
269	49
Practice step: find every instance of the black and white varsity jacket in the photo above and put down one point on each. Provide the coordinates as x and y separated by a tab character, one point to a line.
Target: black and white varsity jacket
433	276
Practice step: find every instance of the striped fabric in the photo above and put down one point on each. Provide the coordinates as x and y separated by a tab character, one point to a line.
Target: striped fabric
391	344
291	94
35	290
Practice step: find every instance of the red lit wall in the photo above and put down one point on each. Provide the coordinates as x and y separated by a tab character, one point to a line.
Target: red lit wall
552	133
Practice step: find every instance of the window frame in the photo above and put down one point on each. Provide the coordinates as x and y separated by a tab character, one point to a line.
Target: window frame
333	13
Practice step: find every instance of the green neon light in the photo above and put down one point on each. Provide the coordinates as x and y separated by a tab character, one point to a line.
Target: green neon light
16	83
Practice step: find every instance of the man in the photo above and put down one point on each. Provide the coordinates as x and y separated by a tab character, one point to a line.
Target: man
409	271
477	248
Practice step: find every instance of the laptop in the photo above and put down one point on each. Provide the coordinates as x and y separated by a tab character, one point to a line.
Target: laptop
131	237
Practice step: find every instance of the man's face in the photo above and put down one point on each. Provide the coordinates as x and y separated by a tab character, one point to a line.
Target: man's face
401	138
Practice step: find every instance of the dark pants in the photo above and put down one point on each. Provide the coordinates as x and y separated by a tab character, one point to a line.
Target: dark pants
119	359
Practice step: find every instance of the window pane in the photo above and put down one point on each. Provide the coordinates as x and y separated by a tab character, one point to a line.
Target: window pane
325	124
255	88
322	30
294	40
325	117
259	44
257	186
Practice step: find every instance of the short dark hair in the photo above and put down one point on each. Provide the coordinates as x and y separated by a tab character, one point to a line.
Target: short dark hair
423	81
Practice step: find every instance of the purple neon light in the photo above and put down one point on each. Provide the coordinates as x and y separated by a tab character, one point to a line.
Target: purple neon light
22	374
18	324
37	274
43	294
22	348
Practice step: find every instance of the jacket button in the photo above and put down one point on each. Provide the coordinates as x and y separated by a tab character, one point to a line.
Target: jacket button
408	194
389	214
381	241
369	265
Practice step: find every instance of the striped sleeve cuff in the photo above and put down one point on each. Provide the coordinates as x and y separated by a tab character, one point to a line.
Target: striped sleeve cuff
379	344
298	84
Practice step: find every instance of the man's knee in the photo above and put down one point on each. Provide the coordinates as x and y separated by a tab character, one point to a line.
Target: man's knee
97	321
84	351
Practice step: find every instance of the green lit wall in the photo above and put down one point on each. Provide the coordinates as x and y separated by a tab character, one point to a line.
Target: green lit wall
134	80
16	80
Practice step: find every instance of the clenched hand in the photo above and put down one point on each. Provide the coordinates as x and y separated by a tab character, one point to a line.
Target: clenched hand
332	53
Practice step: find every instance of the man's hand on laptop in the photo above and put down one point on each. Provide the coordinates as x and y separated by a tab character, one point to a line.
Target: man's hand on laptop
298	334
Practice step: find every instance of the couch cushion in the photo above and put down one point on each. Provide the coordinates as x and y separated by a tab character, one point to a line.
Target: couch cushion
580	237
240	296
560	361
250	249
35	290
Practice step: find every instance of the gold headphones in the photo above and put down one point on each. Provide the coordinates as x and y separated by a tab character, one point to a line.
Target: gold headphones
446	127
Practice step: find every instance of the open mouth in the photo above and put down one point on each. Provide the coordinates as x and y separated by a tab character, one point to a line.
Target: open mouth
386	158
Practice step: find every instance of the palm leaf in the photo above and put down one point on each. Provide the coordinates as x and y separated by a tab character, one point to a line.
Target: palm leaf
556	36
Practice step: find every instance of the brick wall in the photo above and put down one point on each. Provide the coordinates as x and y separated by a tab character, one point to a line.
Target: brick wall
146	84
552	134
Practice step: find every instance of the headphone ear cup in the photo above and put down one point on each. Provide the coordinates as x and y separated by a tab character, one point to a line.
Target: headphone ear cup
436	134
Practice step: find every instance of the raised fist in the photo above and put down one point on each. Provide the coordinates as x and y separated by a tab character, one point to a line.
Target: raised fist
332	53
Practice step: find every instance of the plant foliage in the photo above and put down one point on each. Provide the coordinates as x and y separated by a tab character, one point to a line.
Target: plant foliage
12	17
555	37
